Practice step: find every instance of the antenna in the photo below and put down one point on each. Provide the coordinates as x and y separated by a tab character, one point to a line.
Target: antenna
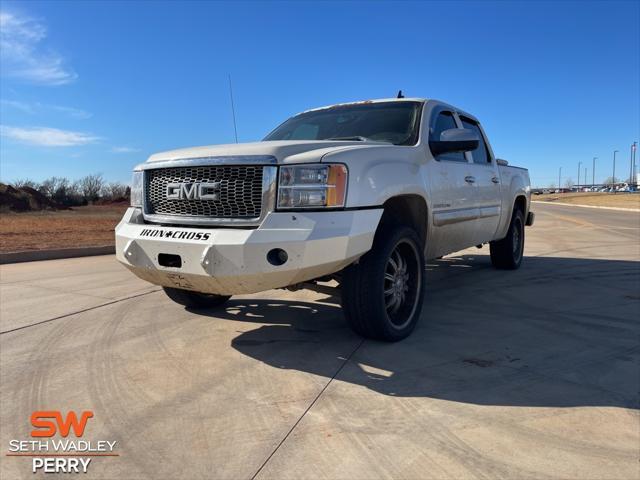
233	110
400	95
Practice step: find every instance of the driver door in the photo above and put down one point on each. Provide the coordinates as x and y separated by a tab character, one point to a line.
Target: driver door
453	199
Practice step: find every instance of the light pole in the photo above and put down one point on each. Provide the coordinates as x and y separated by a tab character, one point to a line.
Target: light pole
632	175
559	176
578	184
631	166
634	178
593	172
613	179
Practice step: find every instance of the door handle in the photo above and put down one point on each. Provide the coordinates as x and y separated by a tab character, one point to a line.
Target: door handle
495	180
470	179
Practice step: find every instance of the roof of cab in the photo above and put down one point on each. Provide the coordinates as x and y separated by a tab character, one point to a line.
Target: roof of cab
364	102
406	99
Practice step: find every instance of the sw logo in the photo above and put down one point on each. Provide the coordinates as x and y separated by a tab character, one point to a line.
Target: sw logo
41	420
62	454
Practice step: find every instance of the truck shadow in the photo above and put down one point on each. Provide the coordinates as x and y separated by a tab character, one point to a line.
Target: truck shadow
558	332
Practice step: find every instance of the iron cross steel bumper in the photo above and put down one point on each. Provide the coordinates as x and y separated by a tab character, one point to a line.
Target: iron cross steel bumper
230	261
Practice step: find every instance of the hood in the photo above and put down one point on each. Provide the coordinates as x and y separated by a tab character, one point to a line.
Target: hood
289	151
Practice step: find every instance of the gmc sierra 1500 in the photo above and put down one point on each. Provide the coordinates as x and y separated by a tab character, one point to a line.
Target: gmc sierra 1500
360	193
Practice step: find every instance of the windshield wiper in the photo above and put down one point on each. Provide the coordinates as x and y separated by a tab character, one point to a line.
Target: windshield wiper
355	137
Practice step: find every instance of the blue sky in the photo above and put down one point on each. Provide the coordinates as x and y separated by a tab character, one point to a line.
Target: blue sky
98	86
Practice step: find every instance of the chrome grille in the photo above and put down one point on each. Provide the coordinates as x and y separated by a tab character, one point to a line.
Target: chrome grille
239	195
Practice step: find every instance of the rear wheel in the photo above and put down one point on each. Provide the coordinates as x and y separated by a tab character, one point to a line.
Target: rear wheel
195	299
506	254
382	294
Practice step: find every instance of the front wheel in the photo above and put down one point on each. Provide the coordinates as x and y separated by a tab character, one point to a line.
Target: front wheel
506	254
195	300
382	294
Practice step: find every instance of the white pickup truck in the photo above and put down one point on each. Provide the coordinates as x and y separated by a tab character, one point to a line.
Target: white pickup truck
359	193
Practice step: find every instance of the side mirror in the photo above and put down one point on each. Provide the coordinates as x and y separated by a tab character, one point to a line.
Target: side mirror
455	140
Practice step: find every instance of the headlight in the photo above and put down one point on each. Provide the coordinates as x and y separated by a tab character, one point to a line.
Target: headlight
312	186
136	189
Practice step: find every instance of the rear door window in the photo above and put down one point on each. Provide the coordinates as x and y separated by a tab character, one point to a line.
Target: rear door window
481	154
445	121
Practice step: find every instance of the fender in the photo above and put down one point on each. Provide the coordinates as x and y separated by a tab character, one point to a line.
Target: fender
378	173
517	180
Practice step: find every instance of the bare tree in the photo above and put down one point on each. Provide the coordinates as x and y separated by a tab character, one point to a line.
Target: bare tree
24	182
54	187
91	185
73	195
568	183
47	187
75	189
114	191
611	180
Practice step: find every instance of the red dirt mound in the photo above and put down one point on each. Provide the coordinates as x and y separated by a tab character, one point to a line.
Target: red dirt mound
24	199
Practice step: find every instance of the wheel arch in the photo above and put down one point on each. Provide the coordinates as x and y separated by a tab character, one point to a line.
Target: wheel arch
407	209
520	203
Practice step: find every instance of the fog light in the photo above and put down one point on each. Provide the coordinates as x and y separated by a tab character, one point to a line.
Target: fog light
277	257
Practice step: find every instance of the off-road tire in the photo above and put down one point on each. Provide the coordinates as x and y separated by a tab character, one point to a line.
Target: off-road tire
195	300
365	286
506	254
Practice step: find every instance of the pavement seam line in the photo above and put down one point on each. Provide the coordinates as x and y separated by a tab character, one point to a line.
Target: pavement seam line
88	309
307	409
57	290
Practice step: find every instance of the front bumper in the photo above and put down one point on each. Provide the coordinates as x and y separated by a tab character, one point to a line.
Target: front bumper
234	261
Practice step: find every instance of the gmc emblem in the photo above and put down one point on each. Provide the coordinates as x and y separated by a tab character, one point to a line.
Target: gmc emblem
193	191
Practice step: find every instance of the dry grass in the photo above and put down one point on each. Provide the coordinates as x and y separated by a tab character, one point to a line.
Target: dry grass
623	200
82	226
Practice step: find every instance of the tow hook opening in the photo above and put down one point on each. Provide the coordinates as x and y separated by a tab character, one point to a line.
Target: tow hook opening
277	257
169	260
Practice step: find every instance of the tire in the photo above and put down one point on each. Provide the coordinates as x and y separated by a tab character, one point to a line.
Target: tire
506	254
195	300
382	294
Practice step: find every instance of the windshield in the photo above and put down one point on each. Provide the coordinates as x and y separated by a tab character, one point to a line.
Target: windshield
392	122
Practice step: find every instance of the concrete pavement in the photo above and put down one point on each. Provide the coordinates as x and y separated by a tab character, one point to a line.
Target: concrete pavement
526	374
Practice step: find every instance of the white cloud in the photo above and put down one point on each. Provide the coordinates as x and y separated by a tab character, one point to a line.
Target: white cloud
124	149
37	107
47	137
25	107
25	57
72	112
